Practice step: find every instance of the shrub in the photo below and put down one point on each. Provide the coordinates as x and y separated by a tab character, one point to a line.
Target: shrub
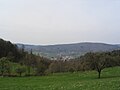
20	70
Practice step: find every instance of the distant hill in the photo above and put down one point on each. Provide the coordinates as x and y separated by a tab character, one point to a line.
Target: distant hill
73	50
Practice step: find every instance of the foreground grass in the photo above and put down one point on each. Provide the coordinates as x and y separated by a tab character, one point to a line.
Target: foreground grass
110	80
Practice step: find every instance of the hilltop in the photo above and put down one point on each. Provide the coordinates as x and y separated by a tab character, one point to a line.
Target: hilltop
69	50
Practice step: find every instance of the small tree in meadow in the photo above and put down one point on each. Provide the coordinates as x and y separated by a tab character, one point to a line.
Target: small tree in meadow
20	70
99	61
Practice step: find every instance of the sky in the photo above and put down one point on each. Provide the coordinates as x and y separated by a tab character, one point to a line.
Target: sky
46	22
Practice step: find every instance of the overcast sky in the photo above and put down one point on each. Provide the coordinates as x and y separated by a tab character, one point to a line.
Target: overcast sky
60	21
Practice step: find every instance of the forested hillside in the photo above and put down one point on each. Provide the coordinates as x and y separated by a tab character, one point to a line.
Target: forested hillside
7	49
15	61
73	50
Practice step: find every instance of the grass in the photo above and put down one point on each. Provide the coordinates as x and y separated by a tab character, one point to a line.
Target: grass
110	80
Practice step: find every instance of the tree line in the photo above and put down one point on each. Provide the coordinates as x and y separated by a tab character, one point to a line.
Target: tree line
31	64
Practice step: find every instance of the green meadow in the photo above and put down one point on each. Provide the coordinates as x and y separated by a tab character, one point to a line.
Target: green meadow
110	80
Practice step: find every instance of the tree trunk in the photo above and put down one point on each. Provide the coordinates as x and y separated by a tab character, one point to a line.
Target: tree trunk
20	74
99	73
29	70
2	72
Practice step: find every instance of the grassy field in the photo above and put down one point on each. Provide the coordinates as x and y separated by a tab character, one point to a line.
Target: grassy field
110	80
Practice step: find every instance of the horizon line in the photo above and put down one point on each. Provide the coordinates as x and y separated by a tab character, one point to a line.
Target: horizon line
67	43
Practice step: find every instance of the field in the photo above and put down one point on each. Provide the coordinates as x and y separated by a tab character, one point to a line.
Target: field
110	80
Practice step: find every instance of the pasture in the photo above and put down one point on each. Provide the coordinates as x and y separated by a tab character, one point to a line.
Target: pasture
110	80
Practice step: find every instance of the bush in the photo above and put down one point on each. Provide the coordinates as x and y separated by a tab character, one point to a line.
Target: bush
20	70
71	70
